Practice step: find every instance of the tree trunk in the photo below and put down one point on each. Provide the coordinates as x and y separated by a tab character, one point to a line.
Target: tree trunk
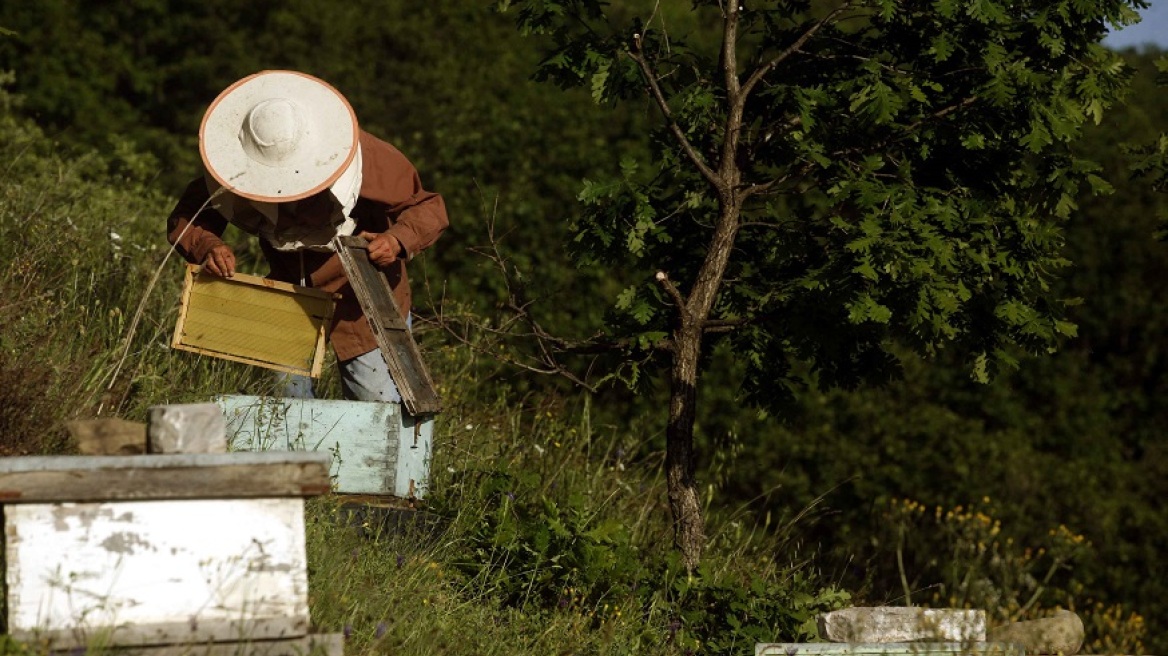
689	532
684	501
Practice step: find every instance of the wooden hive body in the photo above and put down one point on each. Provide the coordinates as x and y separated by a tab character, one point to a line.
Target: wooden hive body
376	448
148	551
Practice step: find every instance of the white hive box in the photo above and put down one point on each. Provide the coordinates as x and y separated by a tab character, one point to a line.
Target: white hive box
157	550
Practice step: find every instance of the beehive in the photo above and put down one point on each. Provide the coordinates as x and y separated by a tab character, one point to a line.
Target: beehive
155	550
377	448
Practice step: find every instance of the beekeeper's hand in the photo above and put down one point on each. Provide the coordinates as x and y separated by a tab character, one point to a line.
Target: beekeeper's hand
384	248
220	261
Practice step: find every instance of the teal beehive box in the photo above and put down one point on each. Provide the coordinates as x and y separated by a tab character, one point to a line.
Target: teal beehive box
376	448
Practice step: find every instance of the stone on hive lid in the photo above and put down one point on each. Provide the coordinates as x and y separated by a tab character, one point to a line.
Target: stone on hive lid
888	649
897	624
1061	634
186	428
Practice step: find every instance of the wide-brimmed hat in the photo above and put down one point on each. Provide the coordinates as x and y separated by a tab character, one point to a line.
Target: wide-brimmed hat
278	136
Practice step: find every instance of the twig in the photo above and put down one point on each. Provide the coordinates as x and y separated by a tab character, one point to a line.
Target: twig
724	325
1054	566
671	289
900	568
520	324
651	82
128	339
762	71
943	112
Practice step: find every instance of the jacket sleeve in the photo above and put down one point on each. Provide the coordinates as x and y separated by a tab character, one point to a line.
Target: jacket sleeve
194	227
416	217
330	276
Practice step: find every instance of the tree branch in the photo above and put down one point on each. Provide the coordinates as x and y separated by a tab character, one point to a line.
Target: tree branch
762	71
518	325
727	166
723	325
764	187
671	289
943	112
654	87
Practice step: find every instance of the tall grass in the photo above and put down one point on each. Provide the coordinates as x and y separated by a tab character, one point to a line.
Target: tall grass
80	238
553	538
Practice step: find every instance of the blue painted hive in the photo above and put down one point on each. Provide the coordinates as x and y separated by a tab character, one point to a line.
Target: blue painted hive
377	449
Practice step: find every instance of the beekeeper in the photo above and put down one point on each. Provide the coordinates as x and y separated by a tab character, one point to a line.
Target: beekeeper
284	159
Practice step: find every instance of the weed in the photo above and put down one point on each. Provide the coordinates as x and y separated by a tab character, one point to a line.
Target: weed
964	557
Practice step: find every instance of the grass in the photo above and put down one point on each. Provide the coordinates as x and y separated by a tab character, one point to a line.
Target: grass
405	593
494	581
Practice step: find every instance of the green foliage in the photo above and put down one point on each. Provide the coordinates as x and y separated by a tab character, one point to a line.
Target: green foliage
1151	163
962	558
729	616
1070	439
542	553
965	557
909	171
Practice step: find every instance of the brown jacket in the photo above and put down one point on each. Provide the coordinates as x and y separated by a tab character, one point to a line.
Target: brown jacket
392	199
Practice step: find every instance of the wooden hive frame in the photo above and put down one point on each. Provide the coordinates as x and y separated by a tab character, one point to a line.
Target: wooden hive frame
401	352
254	320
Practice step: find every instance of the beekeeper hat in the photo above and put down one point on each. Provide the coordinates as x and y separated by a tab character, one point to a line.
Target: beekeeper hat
279	136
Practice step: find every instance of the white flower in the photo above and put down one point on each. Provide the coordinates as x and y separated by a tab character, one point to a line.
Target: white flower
115	236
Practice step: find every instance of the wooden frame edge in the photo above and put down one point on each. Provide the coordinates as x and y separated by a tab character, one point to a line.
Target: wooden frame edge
260	281
184	304
301	371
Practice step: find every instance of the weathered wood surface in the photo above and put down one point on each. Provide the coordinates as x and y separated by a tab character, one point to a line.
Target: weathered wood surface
156	572
374	448
36	479
254	320
968	648
108	436
323	644
393	335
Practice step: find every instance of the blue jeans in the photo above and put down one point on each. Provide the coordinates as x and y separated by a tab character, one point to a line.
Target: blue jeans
363	378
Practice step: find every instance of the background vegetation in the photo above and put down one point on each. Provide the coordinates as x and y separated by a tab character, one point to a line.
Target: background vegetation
1045	483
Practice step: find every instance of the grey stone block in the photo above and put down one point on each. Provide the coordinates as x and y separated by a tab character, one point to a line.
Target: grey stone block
883	624
186	428
888	649
1061	634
